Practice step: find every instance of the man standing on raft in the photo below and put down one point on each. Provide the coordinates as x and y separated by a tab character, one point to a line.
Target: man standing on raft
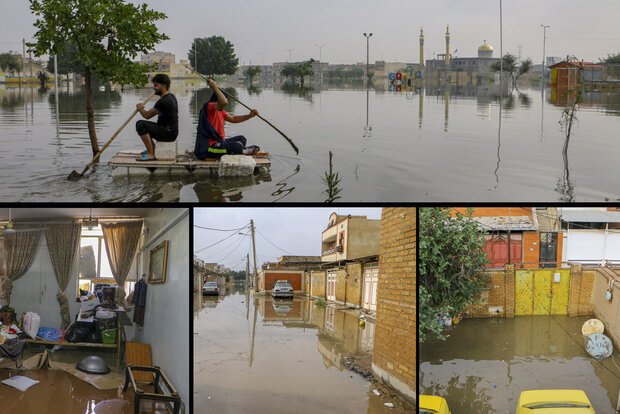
210	138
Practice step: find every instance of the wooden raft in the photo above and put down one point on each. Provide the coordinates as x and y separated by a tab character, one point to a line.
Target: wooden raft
124	163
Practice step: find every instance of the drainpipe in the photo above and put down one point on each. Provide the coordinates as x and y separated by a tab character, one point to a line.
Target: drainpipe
605	243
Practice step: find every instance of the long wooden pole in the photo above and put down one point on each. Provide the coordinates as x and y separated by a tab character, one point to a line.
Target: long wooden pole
238	101
75	175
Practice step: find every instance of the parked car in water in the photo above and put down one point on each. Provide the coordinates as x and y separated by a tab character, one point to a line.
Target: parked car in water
554	401
282	289
431	404
210	288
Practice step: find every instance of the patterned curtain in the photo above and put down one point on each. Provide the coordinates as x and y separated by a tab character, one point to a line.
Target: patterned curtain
121	242
63	242
20	249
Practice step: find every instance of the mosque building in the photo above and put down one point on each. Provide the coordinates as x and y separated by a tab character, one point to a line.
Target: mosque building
462	68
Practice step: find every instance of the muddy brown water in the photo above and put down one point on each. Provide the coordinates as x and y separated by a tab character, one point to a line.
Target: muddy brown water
486	363
265	356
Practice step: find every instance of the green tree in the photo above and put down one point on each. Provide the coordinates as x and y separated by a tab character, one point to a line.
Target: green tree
513	67
451	264
304	70
215	55
251	72
42	78
10	62
66	61
108	34
611	58
290	71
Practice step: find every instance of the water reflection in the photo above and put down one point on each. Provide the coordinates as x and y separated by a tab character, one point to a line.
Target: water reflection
259	353
486	363
375	168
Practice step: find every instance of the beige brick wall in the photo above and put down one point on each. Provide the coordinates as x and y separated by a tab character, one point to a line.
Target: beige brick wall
394	355
493	297
319	280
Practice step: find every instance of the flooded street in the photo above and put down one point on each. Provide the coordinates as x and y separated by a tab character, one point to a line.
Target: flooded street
264	356
486	363
411	145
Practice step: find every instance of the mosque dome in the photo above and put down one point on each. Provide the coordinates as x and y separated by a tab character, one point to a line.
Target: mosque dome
486	50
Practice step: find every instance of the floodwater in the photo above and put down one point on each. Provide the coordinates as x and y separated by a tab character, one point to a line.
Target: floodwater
432	144
486	363
266	356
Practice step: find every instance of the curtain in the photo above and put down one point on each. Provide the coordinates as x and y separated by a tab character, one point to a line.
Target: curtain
63	242
20	249
121	241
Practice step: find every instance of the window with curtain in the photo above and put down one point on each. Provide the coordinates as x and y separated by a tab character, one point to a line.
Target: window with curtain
2	259
94	266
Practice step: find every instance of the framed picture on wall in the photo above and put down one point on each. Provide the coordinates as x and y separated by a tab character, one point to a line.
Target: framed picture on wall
157	263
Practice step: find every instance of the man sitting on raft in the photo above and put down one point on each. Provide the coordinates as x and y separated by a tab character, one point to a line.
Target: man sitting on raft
210	141
167	127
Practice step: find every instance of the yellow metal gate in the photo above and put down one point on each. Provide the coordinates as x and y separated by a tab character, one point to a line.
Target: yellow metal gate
542	292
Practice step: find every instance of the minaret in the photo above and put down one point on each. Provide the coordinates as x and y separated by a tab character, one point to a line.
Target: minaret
421	47
447	47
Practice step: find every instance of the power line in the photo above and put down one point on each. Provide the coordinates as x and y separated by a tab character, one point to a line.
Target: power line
211	245
231	251
261	234
209	228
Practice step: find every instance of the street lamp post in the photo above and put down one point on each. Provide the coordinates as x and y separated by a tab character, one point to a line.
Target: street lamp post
367	36
543	60
320	71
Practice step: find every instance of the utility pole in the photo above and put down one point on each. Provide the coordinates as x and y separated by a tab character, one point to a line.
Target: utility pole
23	58
254	254
367	36
501	52
247	272
320	69
543	61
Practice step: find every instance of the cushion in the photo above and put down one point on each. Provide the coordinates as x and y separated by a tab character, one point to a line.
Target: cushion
20	382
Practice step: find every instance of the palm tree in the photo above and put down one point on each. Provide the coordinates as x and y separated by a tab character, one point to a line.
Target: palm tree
251	72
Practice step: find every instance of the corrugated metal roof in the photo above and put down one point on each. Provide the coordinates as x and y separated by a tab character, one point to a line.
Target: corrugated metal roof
591	216
505	223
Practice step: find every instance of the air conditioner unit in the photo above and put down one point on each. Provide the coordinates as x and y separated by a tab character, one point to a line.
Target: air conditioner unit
339	249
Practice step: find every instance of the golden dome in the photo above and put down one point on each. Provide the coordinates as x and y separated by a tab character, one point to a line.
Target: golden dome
485	48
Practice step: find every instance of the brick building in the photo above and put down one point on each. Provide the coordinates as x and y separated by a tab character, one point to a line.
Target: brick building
394	357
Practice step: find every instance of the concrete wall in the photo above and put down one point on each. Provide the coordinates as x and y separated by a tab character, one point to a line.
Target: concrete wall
36	290
394	356
363	238
166	321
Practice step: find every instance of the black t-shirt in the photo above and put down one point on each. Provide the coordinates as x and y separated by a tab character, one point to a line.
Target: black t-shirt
168	112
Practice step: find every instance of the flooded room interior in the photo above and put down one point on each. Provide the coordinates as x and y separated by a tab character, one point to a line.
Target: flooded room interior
94	310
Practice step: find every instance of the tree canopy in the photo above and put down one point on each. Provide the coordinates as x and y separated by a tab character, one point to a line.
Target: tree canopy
451	264
511	65
252	71
215	56
300	70
10	62
611	58
108	35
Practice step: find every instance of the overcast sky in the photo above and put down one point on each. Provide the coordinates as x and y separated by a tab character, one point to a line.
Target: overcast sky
588	30
295	230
